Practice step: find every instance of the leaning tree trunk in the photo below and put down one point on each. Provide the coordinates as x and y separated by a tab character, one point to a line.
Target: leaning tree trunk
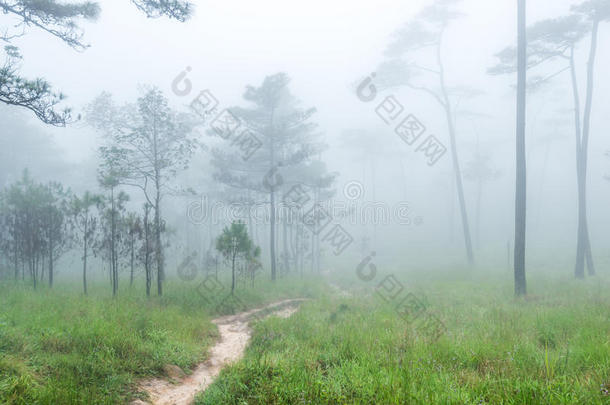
579	265
583	245
456	163
521	178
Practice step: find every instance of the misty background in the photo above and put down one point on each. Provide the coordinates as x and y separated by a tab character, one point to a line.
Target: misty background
231	44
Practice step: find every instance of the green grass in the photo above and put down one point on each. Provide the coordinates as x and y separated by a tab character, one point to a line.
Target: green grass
60	347
552	348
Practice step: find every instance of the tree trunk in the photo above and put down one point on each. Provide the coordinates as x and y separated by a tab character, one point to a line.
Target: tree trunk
147	268
583	248
112	245
51	263
285	244
34	271
158	247
579	264
272	199
456	162
272	236
16	262
459	187
521	178
233	273
131	263
85	259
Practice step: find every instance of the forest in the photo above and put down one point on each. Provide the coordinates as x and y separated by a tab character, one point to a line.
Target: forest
304	203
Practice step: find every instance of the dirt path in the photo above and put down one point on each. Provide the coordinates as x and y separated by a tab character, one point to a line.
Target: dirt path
234	336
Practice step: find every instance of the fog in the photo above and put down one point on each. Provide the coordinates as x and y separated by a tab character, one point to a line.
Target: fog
327	49
276	202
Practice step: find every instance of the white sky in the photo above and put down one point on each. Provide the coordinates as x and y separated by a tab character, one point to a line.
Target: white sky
323	45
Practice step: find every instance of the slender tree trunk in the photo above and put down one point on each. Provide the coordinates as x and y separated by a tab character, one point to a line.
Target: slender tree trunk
285	243
521	178
147	268
85	239
158	247
112	244
233	273
588	254
51	263
456	162
16	263
297	250
157	207
272	199
317	234
131	263
583	249
579	264
272	236
34	271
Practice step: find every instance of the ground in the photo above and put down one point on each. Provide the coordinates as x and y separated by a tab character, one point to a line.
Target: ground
59	347
362	344
552	348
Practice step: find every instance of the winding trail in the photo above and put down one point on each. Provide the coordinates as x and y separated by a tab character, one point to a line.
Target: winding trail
234	333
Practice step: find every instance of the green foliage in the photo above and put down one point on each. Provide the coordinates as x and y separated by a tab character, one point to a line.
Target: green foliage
497	350
234	240
234	243
88	350
147	144
61	20
59	347
594	9
547	41
177	9
36	225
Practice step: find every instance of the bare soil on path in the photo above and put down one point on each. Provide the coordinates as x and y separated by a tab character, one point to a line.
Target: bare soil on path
234	333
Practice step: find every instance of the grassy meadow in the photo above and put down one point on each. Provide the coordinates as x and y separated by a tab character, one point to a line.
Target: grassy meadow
60	347
551	348
351	344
